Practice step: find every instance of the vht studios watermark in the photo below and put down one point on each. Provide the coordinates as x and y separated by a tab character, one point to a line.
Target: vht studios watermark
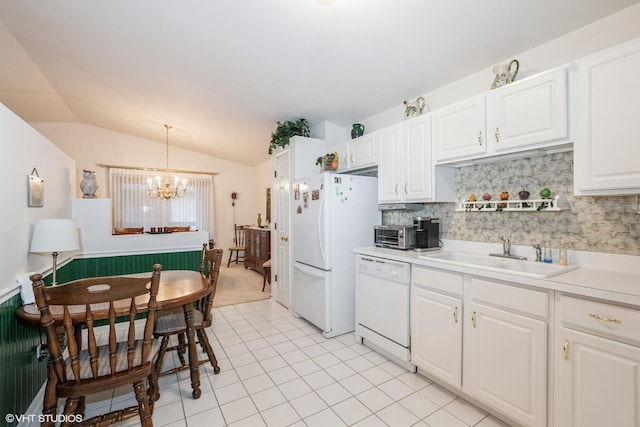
41	418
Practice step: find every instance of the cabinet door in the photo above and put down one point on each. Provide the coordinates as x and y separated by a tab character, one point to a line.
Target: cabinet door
417	184
459	130
362	151
249	248
436	334
597	381
389	164
606	149
531	112
505	362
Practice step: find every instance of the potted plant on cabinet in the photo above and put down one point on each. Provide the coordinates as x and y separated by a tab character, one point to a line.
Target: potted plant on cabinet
287	129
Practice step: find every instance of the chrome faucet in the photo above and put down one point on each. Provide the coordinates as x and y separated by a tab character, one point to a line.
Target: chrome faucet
506	247
538	252
506	251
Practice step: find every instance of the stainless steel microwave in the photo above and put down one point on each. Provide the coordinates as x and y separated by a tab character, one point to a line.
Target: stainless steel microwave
395	236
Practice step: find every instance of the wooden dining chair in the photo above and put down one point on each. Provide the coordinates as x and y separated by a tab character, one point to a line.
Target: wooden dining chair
91	368
238	248
172	322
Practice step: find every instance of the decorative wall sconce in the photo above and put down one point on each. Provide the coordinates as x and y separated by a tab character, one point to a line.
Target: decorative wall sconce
234	196
35	190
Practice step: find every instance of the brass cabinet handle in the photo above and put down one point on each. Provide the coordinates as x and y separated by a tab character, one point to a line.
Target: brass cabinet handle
497	134
605	319
284	239
480	138
473	319
455	314
565	350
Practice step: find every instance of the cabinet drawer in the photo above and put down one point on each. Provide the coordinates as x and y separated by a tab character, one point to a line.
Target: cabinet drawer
509	297
601	318
449	283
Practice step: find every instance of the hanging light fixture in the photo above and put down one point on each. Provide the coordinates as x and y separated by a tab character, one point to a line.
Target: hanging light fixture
163	188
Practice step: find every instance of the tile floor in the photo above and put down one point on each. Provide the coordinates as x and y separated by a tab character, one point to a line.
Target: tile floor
277	370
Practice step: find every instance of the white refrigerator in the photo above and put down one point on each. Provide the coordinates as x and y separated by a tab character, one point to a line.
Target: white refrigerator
332	214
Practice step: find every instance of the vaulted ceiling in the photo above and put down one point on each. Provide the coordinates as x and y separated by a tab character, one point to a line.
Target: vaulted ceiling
222	72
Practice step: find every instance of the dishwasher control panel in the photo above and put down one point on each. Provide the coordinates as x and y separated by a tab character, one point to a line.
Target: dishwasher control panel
391	270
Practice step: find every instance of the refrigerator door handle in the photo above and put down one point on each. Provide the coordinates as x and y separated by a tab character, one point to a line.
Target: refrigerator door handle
307	269
321	229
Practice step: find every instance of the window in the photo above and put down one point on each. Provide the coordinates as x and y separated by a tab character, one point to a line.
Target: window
132	206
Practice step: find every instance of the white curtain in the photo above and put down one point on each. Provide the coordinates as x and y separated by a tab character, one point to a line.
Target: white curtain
132	206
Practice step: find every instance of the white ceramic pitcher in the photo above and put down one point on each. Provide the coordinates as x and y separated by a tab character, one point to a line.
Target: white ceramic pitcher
504	75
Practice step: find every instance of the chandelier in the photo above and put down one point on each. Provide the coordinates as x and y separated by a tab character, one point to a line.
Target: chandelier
163	188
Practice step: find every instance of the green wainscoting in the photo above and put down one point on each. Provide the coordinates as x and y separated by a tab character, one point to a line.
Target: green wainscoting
21	375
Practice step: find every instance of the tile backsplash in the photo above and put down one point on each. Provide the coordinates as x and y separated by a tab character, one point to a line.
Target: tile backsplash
596	224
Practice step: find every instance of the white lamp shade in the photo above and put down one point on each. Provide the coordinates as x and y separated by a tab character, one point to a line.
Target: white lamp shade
54	235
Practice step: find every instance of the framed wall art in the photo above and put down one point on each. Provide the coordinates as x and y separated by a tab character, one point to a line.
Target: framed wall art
35	190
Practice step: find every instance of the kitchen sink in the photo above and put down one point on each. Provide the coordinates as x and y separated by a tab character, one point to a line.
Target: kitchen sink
502	265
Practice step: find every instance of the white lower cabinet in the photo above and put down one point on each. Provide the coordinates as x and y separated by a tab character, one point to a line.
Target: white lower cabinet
496	352
505	352
505	362
597	364
436	319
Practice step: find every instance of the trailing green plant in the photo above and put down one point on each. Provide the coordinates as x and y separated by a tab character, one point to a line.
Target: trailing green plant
287	129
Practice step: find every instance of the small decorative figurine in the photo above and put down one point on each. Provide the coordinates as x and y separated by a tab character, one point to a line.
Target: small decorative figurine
413	108
88	185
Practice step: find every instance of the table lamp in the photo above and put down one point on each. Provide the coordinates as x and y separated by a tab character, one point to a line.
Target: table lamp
53	235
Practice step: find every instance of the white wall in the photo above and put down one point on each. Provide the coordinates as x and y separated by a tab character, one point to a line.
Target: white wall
612	30
90	146
23	149
261	181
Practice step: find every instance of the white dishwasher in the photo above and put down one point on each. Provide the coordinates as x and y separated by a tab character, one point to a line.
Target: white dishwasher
382	307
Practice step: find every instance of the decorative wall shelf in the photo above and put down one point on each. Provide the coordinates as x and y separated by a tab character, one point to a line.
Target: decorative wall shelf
558	203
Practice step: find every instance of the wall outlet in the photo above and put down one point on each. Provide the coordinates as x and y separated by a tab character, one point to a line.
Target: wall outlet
42	351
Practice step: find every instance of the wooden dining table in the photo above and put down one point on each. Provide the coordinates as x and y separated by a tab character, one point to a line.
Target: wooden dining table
178	288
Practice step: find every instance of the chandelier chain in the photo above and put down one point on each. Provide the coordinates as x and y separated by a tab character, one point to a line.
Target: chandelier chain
164	189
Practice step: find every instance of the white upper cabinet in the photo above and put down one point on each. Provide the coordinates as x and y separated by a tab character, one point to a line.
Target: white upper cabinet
418	166
459	130
358	153
607	127
405	168
362	151
531	113
390	164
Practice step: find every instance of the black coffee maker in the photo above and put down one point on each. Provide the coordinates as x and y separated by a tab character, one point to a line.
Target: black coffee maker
428	233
